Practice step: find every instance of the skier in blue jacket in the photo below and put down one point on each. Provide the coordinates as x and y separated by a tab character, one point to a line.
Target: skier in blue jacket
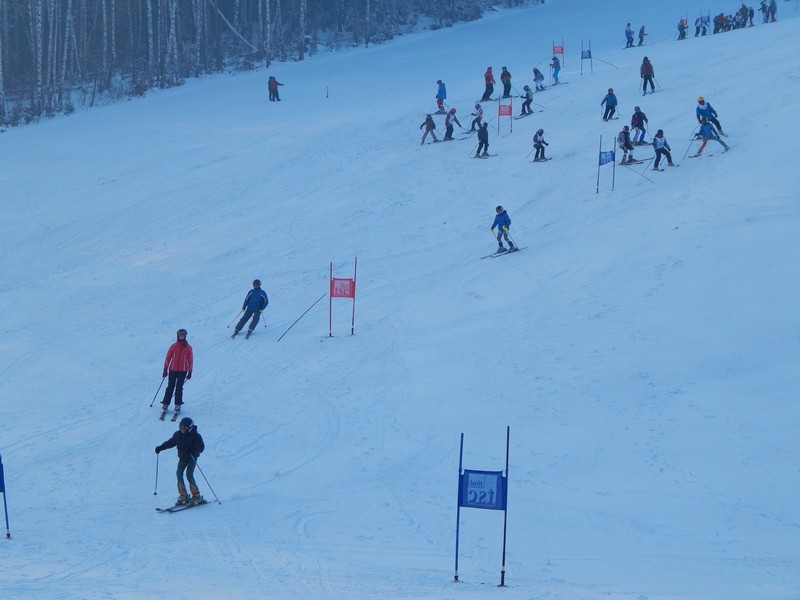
441	95
611	104
254	304
705	110
503	223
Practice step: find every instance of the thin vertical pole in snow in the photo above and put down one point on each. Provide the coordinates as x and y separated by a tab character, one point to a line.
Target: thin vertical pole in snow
330	305
353	321
597	191
458	503
505	513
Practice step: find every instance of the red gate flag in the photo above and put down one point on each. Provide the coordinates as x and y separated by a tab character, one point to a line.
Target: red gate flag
558	49
343	288
504	110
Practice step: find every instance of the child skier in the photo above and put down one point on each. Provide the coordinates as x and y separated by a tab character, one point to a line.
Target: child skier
611	104
476	122
705	110
624	143
707	132
190	445
648	73
539	144
429	126
441	96
483	141
448	124
503	223
526	105
538	78
638	120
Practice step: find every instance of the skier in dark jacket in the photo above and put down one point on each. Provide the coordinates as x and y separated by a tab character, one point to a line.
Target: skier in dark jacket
648	73
611	104
483	141
662	148
503	223
641	35
190	445
505	78
628	36
178	365
539	144
272	86
624	143
526	105
254	304
682	29
638	121
429	126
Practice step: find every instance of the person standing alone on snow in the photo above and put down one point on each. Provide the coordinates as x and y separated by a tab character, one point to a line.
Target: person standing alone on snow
272	86
488	79
611	104
628	36
648	72
190	445
429	126
178	366
539	144
503	223
254	304
441	96
641	35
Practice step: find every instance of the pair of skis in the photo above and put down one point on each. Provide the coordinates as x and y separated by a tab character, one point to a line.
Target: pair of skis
180	507
496	254
174	414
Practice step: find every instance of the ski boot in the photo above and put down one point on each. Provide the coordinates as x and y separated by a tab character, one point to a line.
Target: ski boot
182	499
247	335
164	408
235	333
501	249
197	499
176	413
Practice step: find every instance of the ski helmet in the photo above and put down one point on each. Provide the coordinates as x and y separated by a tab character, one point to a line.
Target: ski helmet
540	132
636	109
499	209
477	106
526	88
186	422
256	282
182	331
625	128
610	90
452	110
701	99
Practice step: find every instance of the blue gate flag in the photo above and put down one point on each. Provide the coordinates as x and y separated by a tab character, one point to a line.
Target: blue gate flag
483	489
606	157
2	482
586	54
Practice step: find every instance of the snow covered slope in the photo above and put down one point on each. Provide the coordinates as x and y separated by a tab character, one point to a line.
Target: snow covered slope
643	348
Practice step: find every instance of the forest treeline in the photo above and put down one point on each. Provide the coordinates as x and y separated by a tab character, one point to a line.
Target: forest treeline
59	54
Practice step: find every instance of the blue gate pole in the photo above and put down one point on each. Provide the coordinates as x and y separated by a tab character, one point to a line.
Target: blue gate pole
458	503
505	513
3	491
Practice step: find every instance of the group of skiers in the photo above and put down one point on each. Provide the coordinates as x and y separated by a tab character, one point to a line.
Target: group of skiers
742	17
629	36
709	128
178	367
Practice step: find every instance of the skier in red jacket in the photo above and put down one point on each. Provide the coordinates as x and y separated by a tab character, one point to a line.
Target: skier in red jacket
178	366
488	78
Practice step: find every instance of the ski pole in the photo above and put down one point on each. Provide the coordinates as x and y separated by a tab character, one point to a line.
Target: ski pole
158	390
155	491
301	316
656	80
693	140
208	484
234	318
473	150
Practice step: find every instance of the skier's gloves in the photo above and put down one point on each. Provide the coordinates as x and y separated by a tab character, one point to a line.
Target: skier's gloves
164	374
505	228
189	375
492	230
158	449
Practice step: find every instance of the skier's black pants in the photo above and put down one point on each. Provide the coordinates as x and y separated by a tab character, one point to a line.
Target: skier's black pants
526	107
506	89
539	151
273	95
174	384
482	146
476	123
448	134
645	80
489	91
187	466
256	314
610	110
662	152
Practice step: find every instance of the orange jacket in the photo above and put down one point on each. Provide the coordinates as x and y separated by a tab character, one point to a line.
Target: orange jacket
488	77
